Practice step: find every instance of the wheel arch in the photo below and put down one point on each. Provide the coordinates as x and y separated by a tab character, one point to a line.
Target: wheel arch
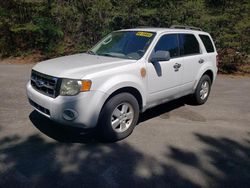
131	90
205	71
210	74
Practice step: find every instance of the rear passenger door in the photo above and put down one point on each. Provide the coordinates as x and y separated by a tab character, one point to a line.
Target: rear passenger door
210	56
191	58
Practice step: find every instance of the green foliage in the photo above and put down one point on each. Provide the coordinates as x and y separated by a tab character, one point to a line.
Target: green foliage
60	27
27	26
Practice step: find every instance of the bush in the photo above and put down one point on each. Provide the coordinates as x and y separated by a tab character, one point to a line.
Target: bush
230	60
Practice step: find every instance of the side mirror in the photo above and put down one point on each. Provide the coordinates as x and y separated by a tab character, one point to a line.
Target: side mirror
160	56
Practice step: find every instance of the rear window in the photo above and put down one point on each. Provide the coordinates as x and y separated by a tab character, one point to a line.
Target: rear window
207	43
188	44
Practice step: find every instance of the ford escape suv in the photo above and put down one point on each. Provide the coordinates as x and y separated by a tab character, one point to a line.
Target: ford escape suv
124	74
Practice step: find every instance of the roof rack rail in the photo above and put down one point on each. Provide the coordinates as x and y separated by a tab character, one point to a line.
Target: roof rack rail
142	26
185	27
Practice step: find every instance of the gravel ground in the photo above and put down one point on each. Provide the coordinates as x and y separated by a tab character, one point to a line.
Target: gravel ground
174	145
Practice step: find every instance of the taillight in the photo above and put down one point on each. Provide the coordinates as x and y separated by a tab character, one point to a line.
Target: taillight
217	60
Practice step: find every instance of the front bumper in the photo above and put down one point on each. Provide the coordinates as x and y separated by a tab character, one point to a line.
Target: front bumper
87	106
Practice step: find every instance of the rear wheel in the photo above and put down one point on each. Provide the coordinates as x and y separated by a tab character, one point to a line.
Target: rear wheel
118	117
202	90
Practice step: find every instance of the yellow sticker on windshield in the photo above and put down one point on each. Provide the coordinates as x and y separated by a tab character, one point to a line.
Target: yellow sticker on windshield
144	34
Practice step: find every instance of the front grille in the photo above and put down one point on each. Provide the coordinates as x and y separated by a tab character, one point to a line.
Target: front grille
40	108
45	84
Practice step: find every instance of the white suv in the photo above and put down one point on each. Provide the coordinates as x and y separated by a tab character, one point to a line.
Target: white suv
126	73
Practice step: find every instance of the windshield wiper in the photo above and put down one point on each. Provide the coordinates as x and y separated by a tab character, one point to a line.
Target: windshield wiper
106	54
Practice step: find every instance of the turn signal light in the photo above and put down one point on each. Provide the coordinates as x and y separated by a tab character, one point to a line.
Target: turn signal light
86	85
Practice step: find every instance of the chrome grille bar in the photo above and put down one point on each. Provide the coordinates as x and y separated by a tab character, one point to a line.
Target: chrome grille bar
45	84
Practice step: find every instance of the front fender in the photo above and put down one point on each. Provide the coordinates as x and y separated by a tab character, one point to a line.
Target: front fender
125	80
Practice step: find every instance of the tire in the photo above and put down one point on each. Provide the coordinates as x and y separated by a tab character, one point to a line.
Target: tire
118	117
202	90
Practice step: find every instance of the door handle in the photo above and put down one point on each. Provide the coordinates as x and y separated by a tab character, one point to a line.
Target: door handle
201	61
177	66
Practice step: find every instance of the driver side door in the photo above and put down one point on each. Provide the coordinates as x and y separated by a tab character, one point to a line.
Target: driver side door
164	77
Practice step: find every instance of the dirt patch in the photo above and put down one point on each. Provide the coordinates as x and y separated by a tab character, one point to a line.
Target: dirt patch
234	75
32	58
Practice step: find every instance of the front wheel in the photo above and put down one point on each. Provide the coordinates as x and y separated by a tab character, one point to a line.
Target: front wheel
202	90
118	117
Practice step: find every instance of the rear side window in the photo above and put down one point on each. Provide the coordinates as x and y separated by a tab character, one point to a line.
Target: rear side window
207	43
188	44
168	43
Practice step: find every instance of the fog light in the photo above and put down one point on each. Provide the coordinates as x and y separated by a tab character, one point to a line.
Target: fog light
69	114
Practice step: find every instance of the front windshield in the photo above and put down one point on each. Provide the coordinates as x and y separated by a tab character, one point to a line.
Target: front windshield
124	44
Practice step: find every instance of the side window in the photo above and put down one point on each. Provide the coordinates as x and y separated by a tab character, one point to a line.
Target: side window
188	44
168	43
207	43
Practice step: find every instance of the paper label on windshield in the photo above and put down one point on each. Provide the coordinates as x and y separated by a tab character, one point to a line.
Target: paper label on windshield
144	34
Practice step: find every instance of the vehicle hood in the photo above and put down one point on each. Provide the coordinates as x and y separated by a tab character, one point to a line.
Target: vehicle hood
79	65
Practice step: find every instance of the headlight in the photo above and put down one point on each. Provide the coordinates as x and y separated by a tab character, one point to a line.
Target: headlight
71	87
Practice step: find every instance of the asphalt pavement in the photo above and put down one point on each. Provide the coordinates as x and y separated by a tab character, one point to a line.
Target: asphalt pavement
174	145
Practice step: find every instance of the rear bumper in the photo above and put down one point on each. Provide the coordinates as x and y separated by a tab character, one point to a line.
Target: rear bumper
86	107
